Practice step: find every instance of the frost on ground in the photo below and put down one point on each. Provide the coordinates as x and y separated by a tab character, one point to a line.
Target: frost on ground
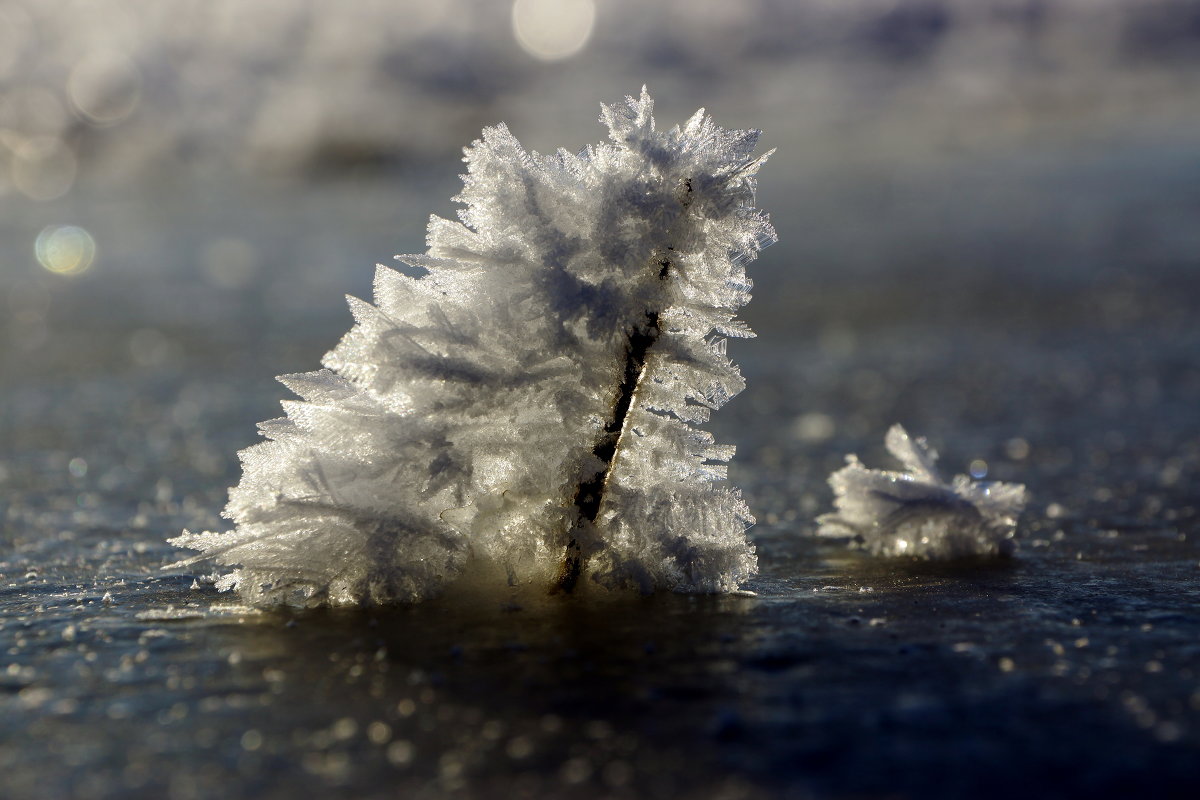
529	399
916	513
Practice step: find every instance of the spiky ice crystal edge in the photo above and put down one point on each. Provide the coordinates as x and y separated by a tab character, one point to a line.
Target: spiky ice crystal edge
916	513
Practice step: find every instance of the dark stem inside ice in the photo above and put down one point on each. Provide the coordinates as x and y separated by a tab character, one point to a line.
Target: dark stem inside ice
590	494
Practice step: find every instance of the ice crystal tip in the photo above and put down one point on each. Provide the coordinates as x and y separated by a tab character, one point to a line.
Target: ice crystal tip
917	513
527	404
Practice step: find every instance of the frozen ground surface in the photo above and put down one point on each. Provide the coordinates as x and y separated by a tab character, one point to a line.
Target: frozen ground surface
1051	339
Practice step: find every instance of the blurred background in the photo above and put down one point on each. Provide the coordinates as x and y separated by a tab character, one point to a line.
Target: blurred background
989	222
209	162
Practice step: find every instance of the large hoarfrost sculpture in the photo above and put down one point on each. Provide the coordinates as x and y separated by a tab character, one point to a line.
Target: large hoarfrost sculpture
530	399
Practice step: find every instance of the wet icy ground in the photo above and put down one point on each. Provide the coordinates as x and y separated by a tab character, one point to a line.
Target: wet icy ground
1054	342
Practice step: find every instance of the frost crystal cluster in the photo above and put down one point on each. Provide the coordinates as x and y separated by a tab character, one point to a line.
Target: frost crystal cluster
916	513
529	399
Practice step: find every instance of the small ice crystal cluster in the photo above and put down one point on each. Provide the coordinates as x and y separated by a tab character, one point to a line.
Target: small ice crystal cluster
916	513
529	399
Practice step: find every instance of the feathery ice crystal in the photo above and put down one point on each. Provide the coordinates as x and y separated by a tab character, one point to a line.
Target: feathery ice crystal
529	400
916	513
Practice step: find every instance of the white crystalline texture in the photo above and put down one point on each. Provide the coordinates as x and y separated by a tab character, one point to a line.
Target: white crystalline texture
916	513
529	401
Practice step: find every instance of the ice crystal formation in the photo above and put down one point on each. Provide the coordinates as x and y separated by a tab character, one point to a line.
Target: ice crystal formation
530	398
916	513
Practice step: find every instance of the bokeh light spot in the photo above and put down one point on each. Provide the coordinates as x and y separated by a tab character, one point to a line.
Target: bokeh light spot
16	34
65	249
150	348
553	29
33	111
230	263
104	87
43	168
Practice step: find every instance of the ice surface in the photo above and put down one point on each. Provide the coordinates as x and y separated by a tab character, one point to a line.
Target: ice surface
916	513
528	401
